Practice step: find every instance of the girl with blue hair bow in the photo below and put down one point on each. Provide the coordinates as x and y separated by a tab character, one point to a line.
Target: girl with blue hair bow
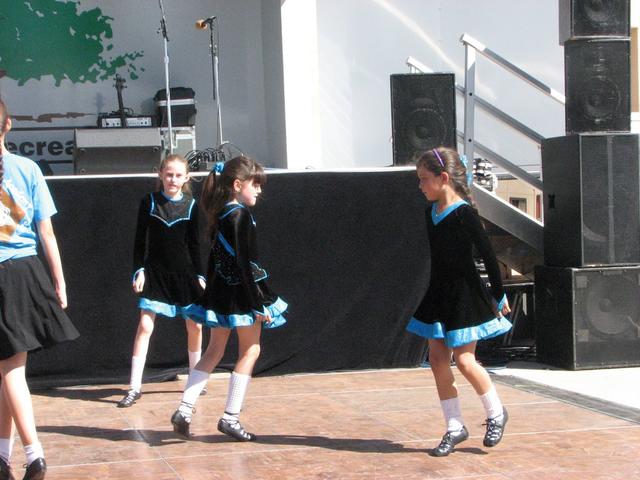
237	296
458	309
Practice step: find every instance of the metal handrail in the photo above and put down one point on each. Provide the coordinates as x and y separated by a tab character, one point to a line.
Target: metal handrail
510	67
416	67
471	47
470	99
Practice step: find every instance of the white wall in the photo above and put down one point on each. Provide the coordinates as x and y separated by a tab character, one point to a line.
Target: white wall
301	83
361	42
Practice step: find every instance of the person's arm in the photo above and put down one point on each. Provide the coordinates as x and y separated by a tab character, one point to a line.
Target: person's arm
243	230
139	245
52	254
481	240
193	243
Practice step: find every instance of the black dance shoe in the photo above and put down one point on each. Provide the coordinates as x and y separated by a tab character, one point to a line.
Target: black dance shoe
235	431
449	440
181	424
5	471
36	470
495	429
129	399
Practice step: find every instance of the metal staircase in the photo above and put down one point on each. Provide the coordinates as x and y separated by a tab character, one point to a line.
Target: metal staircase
516	237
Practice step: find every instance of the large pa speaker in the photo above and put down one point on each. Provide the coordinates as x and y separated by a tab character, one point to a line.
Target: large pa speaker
591	200
590	18
588	317
598	85
117	150
423	114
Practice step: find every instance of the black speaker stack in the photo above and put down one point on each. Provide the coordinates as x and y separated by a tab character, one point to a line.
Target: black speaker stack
588	291
423	114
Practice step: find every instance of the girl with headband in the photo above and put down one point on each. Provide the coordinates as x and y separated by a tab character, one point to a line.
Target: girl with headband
458	309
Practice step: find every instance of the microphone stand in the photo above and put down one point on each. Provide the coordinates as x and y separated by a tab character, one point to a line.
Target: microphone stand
163	31
214	47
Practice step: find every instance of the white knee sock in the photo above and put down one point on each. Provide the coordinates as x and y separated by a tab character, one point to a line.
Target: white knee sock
452	414
33	452
137	367
492	404
6	447
196	382
238	384
194	358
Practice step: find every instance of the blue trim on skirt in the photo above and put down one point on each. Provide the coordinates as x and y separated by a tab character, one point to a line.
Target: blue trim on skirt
462	336
211	319
161	308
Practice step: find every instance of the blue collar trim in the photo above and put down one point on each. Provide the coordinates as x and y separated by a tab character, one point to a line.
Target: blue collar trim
438	217
232	209
172	199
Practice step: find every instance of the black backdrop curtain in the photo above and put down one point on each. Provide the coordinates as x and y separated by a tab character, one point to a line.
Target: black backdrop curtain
347	251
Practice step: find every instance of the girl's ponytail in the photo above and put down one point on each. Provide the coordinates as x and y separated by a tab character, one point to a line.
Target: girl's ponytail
208	202
218	187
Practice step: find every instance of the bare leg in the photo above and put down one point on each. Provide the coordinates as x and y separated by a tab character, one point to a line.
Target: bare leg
143	334
7	428
481	381
181	418
140	348
194	335
6	416
17	398
248	348
471	370
249	351
440	361
215	350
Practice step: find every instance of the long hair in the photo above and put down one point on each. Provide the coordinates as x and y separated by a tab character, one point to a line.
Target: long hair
4	115
451	164
174	158
218	189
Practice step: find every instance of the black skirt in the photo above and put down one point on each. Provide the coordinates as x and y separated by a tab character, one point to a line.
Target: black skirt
170	287
227	306
30	315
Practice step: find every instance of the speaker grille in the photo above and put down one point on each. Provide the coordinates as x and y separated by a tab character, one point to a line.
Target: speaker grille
591	200
598	86
423	114
590	18
588	318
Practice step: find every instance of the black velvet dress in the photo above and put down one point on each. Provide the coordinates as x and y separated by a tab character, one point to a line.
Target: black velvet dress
167	248
458	307
236	284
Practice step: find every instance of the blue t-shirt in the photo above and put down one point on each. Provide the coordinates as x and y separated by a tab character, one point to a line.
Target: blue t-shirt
24	199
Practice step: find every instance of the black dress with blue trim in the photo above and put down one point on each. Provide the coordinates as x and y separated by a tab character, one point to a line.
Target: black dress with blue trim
458	307
236	284
167	248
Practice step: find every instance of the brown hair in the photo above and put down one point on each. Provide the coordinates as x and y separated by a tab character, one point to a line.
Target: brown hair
4	115
218	189
174	158
444	159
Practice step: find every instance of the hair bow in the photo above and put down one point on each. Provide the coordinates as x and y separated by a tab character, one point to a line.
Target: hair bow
463	159
218	167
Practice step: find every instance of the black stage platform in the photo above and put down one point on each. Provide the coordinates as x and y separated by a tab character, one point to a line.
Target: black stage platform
346	250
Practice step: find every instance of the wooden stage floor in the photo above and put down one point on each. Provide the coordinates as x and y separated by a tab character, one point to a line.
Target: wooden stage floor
355	425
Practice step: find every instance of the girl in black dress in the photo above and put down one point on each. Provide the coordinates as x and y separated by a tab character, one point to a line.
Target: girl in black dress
166	264
457	309
237	296
32	312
